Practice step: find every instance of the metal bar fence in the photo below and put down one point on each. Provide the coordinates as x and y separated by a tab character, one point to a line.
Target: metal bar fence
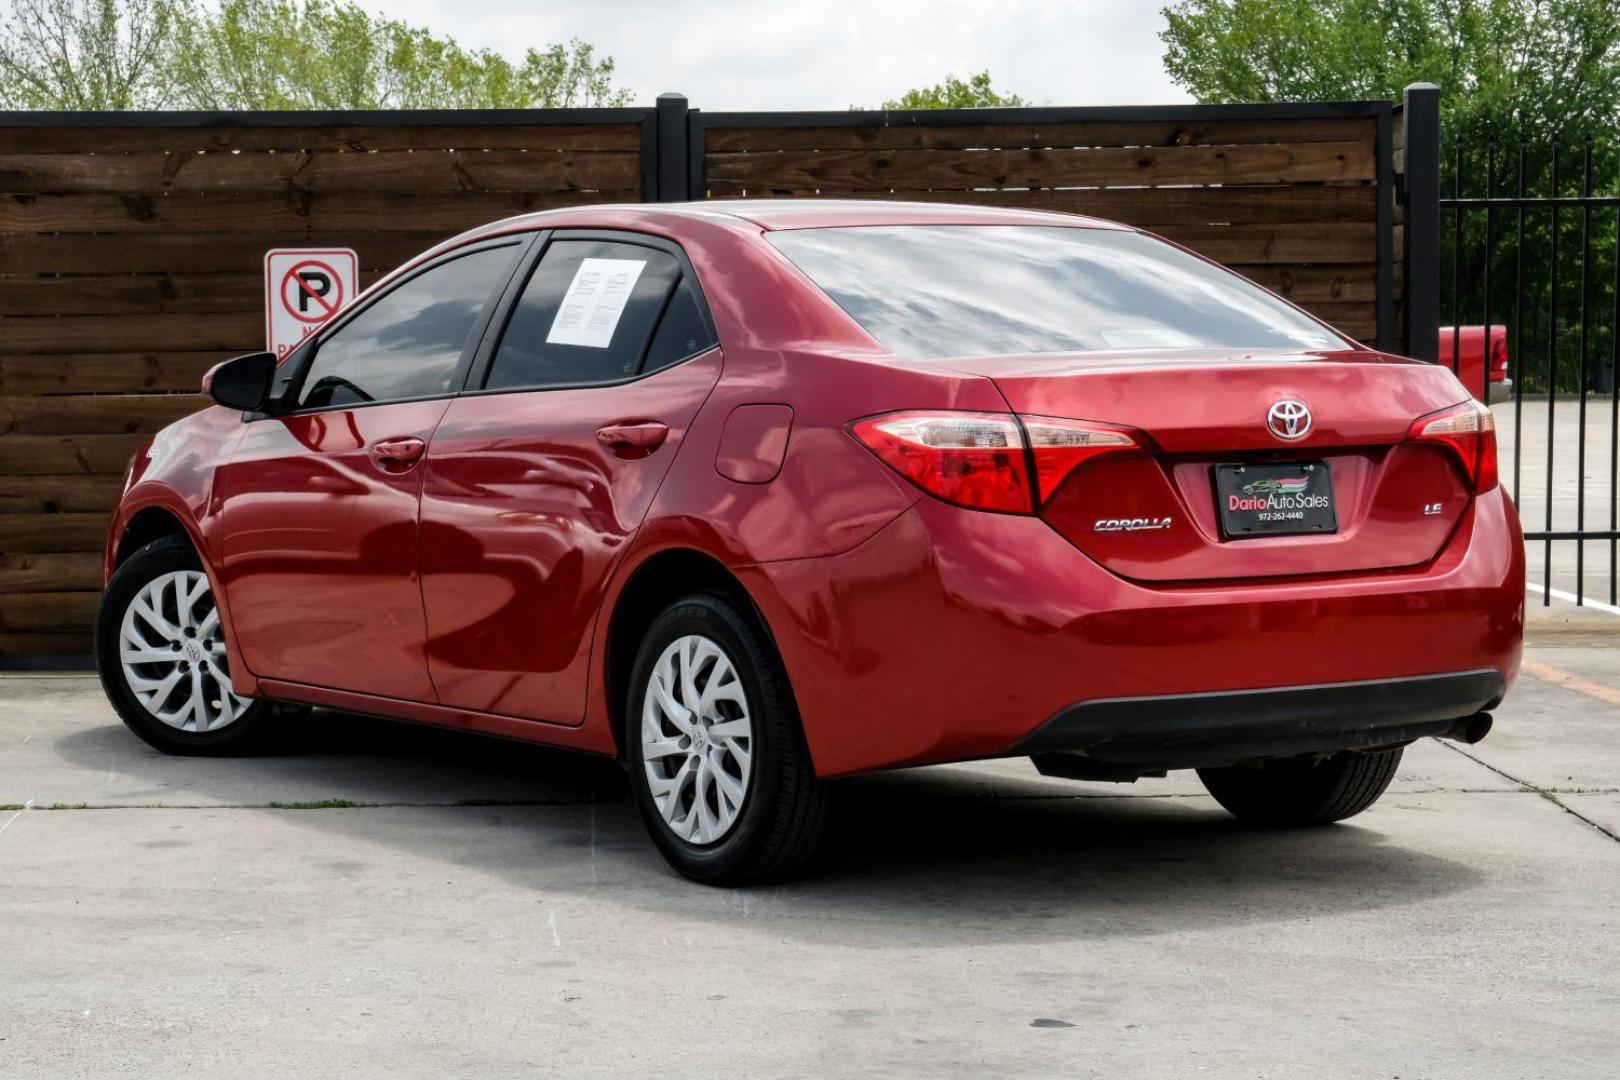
1554	272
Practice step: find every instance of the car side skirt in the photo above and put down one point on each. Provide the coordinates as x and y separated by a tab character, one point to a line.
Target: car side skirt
588	739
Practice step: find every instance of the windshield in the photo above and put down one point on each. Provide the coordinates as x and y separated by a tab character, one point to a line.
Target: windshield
984	290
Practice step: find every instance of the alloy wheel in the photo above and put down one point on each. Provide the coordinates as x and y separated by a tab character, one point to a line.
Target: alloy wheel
173	654
696	739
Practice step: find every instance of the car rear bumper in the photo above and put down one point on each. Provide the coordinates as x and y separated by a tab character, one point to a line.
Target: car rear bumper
952	635
1197	730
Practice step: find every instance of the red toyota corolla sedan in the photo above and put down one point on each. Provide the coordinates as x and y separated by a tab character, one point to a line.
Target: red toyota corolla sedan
757	494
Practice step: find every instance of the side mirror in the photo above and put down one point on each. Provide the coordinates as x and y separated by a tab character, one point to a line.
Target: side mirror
243	383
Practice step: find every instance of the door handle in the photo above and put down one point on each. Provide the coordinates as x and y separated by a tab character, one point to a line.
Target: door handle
397	455
632	438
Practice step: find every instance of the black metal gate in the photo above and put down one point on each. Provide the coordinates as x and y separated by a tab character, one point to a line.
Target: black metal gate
1529	244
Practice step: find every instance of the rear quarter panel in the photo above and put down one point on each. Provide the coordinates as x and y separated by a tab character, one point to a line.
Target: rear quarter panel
785	344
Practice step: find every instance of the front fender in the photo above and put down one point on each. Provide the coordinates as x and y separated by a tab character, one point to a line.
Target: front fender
174	474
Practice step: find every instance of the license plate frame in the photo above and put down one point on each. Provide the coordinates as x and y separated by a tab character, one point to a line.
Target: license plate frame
1286	498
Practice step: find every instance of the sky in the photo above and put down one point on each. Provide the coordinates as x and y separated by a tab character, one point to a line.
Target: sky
831	54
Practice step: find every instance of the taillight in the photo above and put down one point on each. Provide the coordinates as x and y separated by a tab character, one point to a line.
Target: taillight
979	460
971	459
1469	430
1499	354
1058	446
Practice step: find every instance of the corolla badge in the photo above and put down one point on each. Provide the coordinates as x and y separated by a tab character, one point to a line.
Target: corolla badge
1138	524
1289	419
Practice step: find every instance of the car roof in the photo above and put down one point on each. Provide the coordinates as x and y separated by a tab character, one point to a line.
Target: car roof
773	214
780	214
770	215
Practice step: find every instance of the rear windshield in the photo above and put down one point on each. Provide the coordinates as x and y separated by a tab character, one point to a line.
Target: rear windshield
983	290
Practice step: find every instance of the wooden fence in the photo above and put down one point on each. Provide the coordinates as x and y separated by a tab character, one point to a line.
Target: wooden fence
131	244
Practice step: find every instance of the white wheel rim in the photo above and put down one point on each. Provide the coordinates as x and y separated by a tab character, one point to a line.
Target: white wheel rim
696	739
173	654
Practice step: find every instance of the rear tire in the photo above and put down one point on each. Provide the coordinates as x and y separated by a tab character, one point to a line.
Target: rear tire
1296	792
160	652
711	715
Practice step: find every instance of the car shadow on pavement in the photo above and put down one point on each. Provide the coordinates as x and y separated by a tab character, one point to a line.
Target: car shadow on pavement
919	855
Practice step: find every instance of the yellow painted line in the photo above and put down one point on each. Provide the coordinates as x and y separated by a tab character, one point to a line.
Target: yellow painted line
1571	681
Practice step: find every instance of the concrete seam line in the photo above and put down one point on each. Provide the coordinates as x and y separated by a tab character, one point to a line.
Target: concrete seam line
485	804
473	804
1545	793
1571	681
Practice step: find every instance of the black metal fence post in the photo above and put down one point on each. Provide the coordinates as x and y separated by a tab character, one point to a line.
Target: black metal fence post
672	170
1420	113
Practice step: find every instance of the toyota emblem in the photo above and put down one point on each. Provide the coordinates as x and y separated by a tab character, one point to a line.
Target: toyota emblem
1289	419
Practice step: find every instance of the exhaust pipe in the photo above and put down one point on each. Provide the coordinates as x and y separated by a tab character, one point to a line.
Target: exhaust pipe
1469	729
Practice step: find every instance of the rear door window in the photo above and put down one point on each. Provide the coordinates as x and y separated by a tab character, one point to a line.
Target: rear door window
592	312
682	332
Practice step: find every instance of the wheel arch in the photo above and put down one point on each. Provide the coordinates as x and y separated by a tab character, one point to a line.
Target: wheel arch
152	511
148	524
654	584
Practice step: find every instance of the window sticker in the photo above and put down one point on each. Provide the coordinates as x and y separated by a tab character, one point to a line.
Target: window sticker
591	309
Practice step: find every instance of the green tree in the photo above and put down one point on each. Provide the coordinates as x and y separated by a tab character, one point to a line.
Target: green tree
271	54
85	54
1532	66
973	93
1545	71
316	54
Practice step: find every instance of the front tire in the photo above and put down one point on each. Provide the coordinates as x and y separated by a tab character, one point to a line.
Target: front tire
160	652
1292	793
717	758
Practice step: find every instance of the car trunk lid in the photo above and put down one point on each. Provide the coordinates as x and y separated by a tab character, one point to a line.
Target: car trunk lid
1155	514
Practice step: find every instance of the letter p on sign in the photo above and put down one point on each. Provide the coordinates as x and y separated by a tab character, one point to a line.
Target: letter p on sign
303	288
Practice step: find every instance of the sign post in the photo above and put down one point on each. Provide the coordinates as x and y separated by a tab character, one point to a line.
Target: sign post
303	288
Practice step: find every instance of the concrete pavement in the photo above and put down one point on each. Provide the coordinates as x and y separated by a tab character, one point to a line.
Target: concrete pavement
469	908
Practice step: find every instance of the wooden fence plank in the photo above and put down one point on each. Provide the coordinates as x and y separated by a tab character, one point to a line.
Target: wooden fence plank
1307	284
322	170
56	455
242	331
29	613
58	494
76	139
46	533
1278	243
381	251
18	646
194	252
133	294
91	372
284	212
901	170
1147	207
1005	136
95	414
61	572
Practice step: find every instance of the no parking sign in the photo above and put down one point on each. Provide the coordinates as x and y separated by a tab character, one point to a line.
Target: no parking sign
303	288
